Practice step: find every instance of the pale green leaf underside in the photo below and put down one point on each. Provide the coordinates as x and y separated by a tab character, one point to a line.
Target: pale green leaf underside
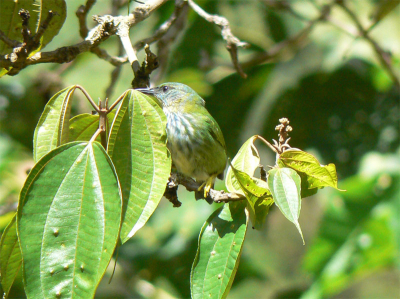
10	256
68	221
285	186
137	145
247	160
217	258
52	128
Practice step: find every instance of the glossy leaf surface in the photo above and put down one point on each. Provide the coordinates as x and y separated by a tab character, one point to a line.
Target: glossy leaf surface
68	221
137	146
285	184
10	256
317	175
52	128
217	258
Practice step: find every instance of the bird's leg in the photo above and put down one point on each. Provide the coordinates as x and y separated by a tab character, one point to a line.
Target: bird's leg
207	185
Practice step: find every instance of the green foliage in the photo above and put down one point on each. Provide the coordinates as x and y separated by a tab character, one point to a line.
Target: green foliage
338	96
218	253
10	256
137	147
11	23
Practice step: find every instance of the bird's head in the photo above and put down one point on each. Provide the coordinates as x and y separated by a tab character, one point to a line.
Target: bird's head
171	95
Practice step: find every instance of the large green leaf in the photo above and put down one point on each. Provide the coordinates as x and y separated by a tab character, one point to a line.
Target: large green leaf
137	146
318	176
285	185
52	128
258	196
83	126
246	160
11	22
10	256
220	245
68	221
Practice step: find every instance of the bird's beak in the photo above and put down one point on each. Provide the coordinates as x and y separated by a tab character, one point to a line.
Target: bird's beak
149	91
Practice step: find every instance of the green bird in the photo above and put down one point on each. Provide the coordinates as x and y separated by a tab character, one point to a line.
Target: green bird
195	139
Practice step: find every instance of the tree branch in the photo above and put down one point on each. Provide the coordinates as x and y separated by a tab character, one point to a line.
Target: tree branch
107	26
232	42
383	56
217	196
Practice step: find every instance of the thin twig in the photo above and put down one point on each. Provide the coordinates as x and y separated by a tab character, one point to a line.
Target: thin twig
82	13
292	41
107	26
233	43
383	56
10	42
217	196
89	98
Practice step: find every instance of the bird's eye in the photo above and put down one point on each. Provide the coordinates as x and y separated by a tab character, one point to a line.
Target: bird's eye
165	88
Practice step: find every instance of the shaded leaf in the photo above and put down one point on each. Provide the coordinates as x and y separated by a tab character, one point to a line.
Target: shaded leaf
52	128
83	126
10	256
217	258
68	221
246	160
137	146
318	176
285	184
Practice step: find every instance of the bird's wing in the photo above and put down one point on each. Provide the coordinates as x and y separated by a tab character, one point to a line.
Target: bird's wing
216	132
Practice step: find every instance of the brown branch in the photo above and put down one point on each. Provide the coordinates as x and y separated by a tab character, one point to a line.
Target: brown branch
232	42
165	42
292	41
81	13
383	56
9	42
107	26
163	29
217	196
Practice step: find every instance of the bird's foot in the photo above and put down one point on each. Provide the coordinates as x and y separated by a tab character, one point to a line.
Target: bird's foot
207	185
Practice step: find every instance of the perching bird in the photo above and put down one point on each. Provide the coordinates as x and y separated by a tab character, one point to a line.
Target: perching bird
195	140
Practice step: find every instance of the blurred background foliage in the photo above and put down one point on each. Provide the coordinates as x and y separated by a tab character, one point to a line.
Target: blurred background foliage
342	104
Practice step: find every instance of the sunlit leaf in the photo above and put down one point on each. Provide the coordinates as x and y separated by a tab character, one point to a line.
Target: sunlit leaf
246	160
217	258
258	196
68	221
285	184
52	128
10	256
137	146
318	176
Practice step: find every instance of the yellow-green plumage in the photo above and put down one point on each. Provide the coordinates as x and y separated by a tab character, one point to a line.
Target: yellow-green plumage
195	140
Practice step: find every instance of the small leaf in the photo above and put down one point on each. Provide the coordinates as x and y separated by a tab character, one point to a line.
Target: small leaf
258	196
285	184
68	221
318	176
137	146
218	253
10	256
83	126
52	128
246	160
